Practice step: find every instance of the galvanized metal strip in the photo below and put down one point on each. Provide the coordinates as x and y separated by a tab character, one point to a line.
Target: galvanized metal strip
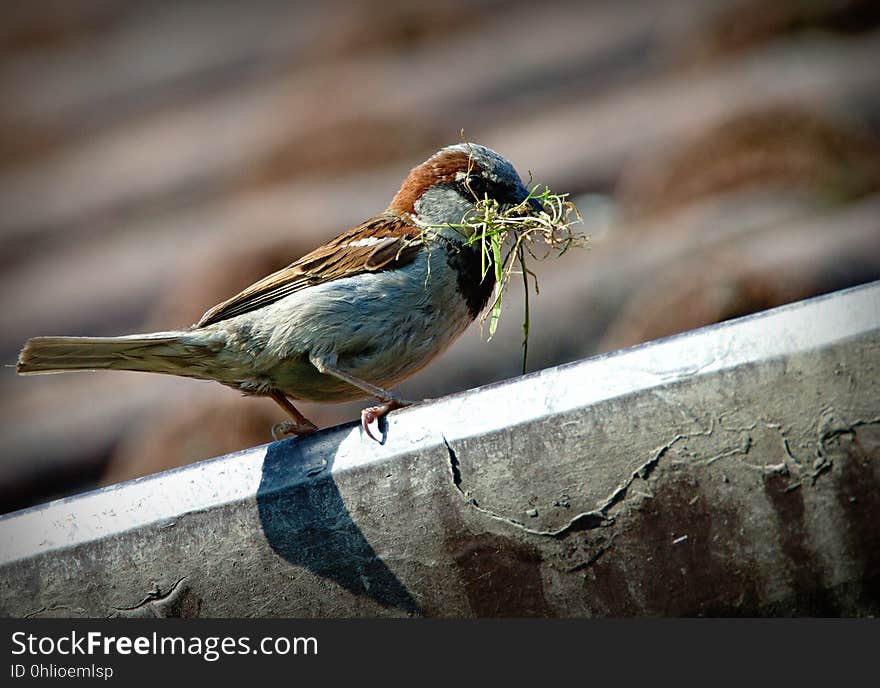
514	412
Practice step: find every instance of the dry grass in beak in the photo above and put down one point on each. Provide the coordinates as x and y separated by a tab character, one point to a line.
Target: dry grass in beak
508	234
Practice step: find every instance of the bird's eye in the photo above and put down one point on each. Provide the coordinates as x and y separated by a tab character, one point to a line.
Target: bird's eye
475	185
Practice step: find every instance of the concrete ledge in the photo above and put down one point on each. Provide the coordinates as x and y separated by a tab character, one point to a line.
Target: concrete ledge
733	470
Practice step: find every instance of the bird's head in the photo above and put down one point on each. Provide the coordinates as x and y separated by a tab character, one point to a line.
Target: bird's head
444	188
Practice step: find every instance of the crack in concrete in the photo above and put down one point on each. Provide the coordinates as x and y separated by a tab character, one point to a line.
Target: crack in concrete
843	429
599	517
454	466
155	595
594	557
830	427
585	520
53	608
742	450
787	446
643	472
739	428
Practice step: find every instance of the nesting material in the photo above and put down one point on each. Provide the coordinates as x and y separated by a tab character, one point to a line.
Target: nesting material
509	236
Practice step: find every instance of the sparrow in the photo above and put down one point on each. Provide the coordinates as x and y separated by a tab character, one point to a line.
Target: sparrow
347	321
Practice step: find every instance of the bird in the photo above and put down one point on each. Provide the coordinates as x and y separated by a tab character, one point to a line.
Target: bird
347	321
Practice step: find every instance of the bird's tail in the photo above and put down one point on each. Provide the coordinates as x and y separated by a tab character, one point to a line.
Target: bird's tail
173	353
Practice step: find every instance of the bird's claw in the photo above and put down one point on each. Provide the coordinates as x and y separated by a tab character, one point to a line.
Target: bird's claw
286	429
373	414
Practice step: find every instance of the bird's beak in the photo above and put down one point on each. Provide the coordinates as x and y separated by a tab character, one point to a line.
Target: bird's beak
533	202
536	204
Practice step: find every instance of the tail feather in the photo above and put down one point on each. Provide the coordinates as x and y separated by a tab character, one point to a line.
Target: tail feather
160	352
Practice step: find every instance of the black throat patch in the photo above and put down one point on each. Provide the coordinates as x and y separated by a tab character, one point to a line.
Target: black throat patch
474	287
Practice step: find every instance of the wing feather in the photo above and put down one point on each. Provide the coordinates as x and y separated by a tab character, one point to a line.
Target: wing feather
385	242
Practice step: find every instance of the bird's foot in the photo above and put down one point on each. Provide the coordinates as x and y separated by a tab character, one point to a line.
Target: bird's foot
374	414
287	429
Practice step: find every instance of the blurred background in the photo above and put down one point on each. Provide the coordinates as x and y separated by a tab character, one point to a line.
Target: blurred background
156	157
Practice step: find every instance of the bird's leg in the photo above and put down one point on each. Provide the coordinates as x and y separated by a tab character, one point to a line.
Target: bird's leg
370	414
300	424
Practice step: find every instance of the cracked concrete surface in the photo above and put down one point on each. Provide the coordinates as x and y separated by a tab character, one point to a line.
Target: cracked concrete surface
749	487
585	520
157	604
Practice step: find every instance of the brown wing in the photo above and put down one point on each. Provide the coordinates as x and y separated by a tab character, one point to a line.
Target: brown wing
385	242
